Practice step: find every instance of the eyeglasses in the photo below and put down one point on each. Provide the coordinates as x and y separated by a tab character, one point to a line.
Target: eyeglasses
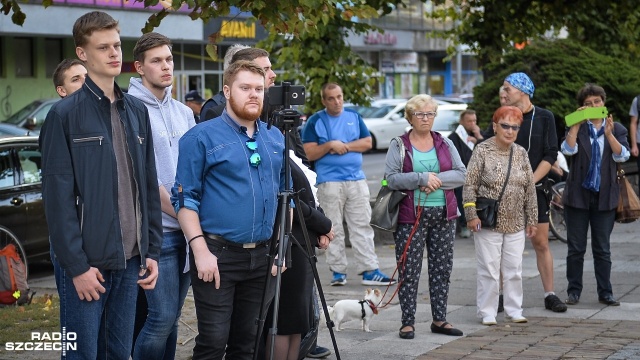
255	159
596	102
422	115
507	127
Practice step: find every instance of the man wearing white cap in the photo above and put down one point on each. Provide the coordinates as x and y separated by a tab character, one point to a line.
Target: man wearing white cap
538	135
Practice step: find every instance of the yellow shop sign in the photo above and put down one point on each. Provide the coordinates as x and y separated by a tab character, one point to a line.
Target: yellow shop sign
238	29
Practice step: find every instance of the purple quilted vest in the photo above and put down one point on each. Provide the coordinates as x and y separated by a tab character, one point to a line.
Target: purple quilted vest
407	212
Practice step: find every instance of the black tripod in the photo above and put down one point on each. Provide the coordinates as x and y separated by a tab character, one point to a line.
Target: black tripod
288	119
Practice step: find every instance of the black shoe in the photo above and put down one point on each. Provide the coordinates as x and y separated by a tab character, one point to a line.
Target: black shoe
553	303
407	334
500	303
572	299
609	300
319	352
445	330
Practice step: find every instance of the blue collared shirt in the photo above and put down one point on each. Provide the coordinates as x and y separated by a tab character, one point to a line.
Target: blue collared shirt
233	198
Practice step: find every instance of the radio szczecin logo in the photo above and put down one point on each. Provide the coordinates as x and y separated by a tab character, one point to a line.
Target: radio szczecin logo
46	341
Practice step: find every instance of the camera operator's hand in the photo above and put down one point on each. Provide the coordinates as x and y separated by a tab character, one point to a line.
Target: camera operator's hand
330	235
274	267
323	242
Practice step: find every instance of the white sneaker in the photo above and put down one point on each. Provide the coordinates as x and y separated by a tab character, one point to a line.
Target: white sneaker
489	320
517	319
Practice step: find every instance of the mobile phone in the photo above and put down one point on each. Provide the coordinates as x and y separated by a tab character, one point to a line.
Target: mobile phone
143	273
478	227
586	114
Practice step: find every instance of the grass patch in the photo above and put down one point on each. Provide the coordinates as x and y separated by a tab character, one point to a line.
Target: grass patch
42	315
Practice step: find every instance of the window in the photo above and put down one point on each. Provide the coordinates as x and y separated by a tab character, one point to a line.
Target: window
24	57
30	163
7	173
53	49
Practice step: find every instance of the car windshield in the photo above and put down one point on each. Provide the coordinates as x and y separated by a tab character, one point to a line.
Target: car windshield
20	115
447	120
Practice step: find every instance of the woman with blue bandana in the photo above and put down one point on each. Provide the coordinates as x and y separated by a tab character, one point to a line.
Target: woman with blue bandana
591	198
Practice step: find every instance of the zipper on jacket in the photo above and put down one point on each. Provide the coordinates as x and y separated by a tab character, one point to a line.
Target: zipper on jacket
90	138
81	211
140	140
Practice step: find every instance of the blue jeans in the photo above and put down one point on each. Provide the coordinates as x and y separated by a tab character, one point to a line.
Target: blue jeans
158	337
578	221
227	316
104	327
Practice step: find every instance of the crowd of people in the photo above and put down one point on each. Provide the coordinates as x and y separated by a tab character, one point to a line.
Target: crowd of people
146	196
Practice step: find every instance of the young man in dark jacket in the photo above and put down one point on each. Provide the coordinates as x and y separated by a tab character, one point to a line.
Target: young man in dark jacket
101	198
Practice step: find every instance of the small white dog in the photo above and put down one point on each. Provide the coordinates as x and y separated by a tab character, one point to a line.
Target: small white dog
345	310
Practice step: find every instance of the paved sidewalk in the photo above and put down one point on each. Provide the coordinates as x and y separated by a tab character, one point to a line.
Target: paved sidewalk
587	330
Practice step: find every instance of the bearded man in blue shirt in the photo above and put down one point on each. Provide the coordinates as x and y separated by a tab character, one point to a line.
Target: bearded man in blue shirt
229	174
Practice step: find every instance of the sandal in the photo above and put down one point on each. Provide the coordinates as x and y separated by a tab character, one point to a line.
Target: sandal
407	334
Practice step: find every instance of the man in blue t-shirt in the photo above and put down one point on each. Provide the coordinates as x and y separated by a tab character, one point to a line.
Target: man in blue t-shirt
335	139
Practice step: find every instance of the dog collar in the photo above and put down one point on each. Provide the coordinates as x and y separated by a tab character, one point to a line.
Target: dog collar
373	307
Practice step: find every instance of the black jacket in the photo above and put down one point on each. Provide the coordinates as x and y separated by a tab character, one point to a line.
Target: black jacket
80	184
461	146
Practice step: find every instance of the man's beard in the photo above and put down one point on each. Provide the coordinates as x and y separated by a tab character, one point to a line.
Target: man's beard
242	112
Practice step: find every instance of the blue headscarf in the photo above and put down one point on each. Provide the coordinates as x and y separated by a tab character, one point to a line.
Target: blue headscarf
592	181
521	82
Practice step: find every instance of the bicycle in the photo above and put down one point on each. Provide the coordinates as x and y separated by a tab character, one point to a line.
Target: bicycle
557	223
6	238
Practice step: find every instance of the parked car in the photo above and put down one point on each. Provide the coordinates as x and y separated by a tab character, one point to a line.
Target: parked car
21	207
32	116
385	120
10	129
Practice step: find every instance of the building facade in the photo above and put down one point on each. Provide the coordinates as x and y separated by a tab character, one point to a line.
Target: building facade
408	58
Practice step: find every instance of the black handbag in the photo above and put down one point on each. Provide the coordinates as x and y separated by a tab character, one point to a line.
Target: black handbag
487	209
384	214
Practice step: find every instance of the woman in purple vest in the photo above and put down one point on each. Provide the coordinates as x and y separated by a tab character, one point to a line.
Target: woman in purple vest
426	166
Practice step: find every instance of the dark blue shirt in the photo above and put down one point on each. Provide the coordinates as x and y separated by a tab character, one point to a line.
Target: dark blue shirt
233	198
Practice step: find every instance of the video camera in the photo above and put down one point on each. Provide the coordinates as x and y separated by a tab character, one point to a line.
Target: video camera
284	96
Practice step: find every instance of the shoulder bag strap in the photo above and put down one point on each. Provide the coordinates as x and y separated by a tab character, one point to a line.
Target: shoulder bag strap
401	148
504	186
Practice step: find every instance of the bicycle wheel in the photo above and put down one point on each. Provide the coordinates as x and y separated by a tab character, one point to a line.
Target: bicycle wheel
6	238
557	224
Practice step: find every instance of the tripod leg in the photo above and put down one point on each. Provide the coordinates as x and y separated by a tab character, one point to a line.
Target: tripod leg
281	246
313	259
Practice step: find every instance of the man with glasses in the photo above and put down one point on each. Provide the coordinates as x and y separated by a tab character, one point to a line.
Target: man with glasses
229	174
538	136
335	139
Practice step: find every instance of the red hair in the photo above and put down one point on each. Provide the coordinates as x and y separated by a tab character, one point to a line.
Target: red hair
505	112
